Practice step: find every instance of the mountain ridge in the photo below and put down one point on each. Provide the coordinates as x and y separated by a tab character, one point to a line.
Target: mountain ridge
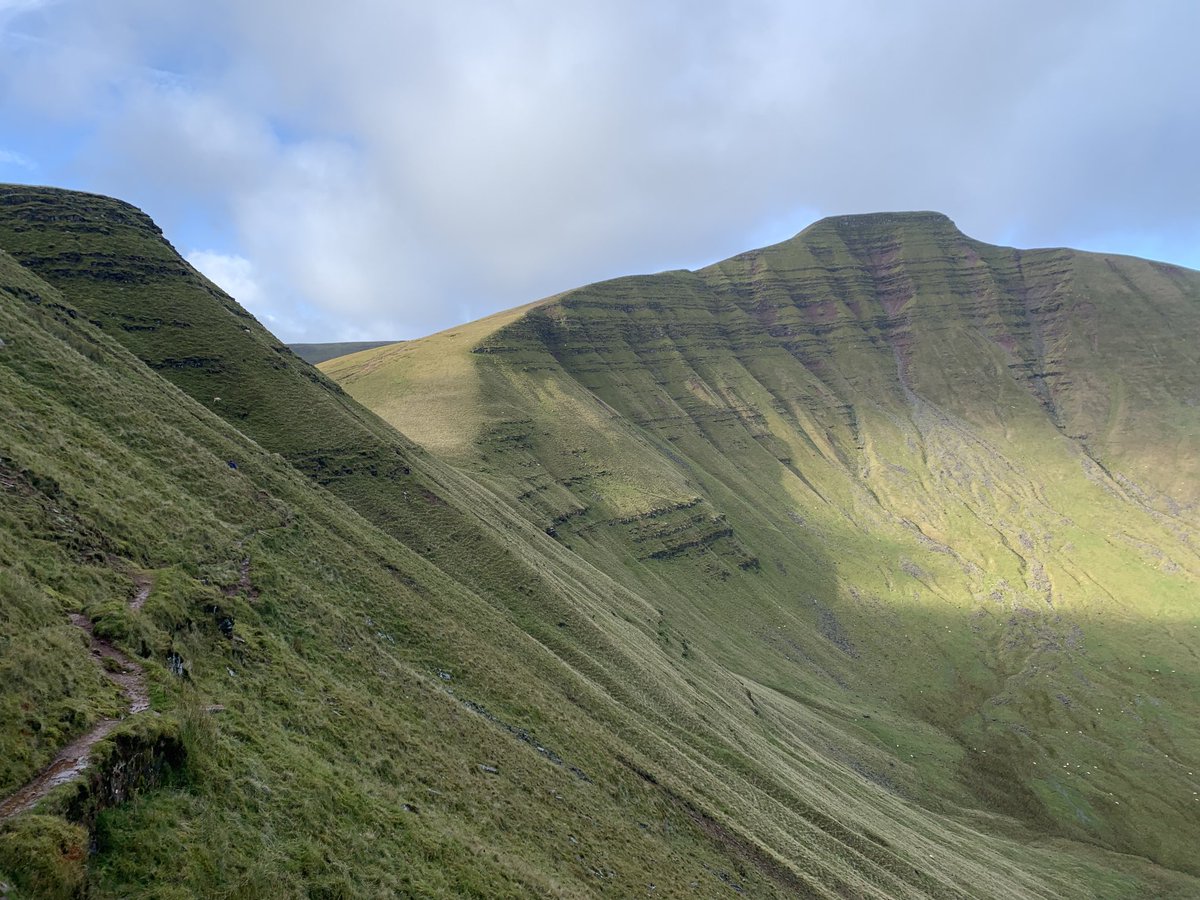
848	360
814	239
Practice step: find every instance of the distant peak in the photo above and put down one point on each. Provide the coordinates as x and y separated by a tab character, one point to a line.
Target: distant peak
884	221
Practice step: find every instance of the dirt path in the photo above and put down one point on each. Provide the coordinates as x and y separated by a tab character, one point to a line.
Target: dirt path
72	759
243	585
143	585
70	762
122	671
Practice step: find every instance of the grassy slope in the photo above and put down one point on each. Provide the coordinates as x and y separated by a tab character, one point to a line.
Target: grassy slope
336	714
319	353
885	471
343	763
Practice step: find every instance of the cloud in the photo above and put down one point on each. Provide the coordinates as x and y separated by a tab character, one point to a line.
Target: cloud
233	274
10	9
17	160
391	168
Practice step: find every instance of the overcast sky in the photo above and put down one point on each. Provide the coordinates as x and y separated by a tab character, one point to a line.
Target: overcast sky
352	169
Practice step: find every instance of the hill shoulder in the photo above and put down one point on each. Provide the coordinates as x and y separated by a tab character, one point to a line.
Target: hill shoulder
319	353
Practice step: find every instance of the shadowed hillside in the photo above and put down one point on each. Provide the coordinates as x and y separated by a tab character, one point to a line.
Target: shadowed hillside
643	636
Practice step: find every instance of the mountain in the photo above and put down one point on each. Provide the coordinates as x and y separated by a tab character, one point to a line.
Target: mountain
319	353
647	607
888	471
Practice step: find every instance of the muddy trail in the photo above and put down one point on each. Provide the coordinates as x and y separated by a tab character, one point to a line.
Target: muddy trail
72	759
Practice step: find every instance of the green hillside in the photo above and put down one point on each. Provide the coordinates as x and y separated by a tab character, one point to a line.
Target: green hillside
319	353
654	614
889	472
327	700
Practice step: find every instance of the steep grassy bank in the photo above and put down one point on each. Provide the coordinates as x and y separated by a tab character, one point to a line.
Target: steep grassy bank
339	697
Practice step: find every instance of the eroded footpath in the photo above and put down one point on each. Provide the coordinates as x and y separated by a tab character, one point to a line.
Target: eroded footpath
74	758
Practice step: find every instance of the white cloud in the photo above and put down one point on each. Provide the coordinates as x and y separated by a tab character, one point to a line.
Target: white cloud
233	274
14	159
388	168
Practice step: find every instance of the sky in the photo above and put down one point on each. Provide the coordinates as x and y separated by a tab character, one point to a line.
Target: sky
362	169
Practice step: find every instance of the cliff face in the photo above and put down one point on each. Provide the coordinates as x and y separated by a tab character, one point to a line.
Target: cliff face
890	470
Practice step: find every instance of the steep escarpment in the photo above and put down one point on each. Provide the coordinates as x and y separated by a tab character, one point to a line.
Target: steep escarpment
941	491
877	308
